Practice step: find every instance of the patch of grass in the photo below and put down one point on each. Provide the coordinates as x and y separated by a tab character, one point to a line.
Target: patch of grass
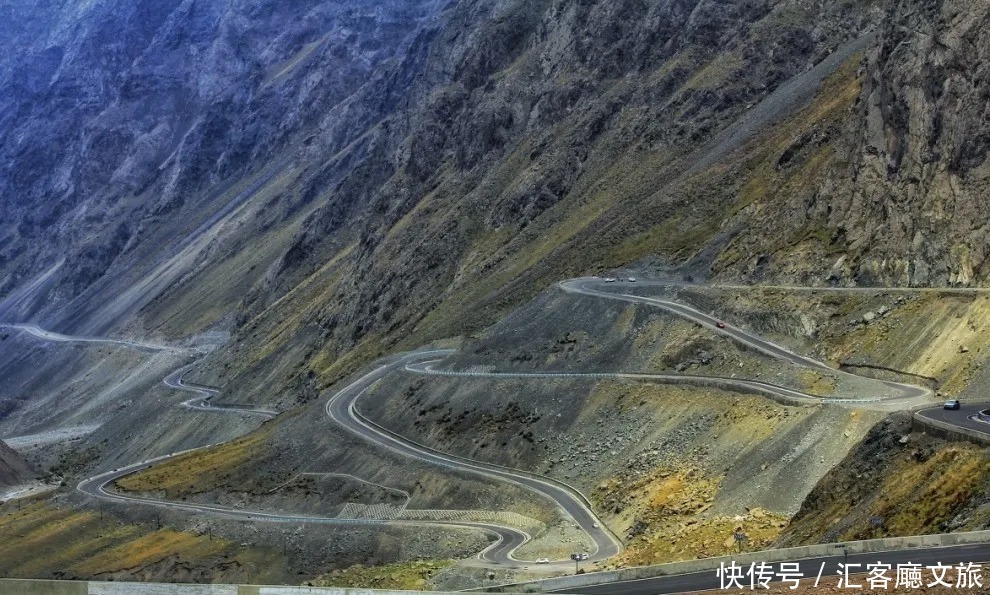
817	383
149	549
404	576
917	498
942	336
200	471
664	512
715	73
206	296
38	540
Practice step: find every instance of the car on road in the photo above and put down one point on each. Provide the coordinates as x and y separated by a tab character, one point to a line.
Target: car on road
632	279
610	279
595	525
720	324
542	561
952	404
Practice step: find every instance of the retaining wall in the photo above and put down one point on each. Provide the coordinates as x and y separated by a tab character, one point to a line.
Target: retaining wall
948	431
769	556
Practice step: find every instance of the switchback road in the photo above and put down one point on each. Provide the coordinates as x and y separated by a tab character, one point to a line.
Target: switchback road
905	393
342	408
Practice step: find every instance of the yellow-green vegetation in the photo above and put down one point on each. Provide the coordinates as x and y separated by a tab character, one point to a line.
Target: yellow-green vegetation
404	576
623	325
743	421
149	549
332	369
39	540
276	325
199	471
817	383
666	510
916	492
765	186
206	295
917	497
715	73
938	335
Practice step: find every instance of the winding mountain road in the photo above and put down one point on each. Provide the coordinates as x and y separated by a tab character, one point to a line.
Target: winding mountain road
342	408
905	393
507	539
205	394
45	335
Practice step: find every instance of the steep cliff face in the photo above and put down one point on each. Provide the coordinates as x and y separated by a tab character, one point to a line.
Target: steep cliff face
541	140
347	175
901	201
13	469
117	117
916	212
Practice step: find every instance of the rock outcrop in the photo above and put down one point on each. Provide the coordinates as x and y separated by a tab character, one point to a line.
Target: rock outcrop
14	470
451	159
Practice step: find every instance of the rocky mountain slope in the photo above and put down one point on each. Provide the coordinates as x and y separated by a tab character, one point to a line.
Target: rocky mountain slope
423	160
14	470
312	184
896	483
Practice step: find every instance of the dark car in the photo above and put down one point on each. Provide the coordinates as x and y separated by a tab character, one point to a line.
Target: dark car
951	404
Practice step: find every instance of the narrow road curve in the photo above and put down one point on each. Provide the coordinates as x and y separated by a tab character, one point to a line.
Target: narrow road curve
342	409
205	394
963	419
595	287
40	333
776	392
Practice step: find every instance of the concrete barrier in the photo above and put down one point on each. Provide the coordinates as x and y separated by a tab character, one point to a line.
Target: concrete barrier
9	586
769	556
25	587
948	431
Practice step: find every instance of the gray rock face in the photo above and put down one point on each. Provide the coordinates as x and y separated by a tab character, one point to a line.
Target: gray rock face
114	112
14	470
915	213
467	153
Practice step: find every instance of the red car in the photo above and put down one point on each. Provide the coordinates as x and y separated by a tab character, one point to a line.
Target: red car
720	324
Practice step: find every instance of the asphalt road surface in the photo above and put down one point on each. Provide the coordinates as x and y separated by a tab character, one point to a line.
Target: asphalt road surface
599	288
342	408
961	418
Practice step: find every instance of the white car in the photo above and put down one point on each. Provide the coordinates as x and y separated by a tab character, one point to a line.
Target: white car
632	279
542	561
